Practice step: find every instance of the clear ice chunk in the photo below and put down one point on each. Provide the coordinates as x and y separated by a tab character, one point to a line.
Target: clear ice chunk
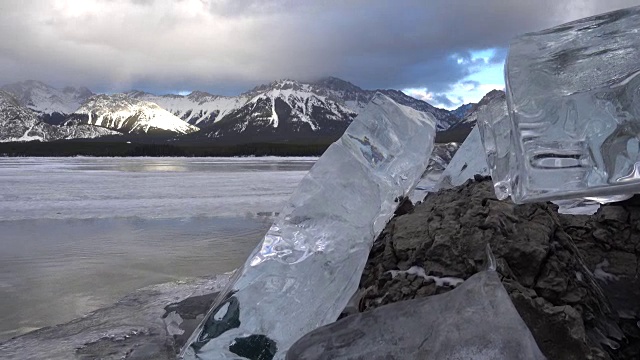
476	320
468	161
452	165
307	267
430	181
573	121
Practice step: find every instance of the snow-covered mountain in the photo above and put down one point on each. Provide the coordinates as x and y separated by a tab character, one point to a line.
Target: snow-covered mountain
444	118
18	123
284	110
128	115
288	109
198	108
340	90
52	105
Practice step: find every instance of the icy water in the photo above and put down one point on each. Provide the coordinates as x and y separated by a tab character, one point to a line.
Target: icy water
77	234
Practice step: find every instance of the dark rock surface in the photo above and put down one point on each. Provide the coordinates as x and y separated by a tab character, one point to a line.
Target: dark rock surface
573	279
477	320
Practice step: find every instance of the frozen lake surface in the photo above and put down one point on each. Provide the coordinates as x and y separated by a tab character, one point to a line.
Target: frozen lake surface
77	234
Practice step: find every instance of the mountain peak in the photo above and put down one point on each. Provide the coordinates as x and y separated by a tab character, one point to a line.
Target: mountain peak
336	84
493	94
7	99
282	84
34	83
137	93
200	95
461	111
27	86
123	113
46	99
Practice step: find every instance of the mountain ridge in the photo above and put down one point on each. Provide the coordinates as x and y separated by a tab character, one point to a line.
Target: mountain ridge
125	114
283	110
19	123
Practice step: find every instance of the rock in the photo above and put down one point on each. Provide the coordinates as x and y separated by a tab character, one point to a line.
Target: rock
547	262
405	207
560	330
477	320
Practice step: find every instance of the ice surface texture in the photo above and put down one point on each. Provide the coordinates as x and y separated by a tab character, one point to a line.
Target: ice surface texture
430	181
309	263
452	164
468	161
477	320
132	328
573	122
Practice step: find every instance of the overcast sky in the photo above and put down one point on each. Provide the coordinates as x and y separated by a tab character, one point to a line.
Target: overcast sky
444	51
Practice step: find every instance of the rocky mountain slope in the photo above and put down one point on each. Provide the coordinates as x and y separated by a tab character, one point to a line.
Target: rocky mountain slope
462	110
198	108
284	110
128	115
288	109
18	123
459	131
444	118
52	105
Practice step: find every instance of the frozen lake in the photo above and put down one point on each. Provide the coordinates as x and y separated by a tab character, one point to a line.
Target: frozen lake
77	234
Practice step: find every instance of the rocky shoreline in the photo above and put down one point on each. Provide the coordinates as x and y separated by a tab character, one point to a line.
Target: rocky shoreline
574	280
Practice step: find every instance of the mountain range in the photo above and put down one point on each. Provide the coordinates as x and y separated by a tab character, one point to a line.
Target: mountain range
284	110
18	123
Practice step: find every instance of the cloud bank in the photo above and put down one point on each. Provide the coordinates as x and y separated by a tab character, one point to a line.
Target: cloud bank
228	46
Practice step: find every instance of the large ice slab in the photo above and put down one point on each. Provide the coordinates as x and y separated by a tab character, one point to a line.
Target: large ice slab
572	128
495	134
438	162
309	264
468	162
477	320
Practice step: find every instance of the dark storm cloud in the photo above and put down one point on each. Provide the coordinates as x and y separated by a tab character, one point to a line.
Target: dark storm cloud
228	45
